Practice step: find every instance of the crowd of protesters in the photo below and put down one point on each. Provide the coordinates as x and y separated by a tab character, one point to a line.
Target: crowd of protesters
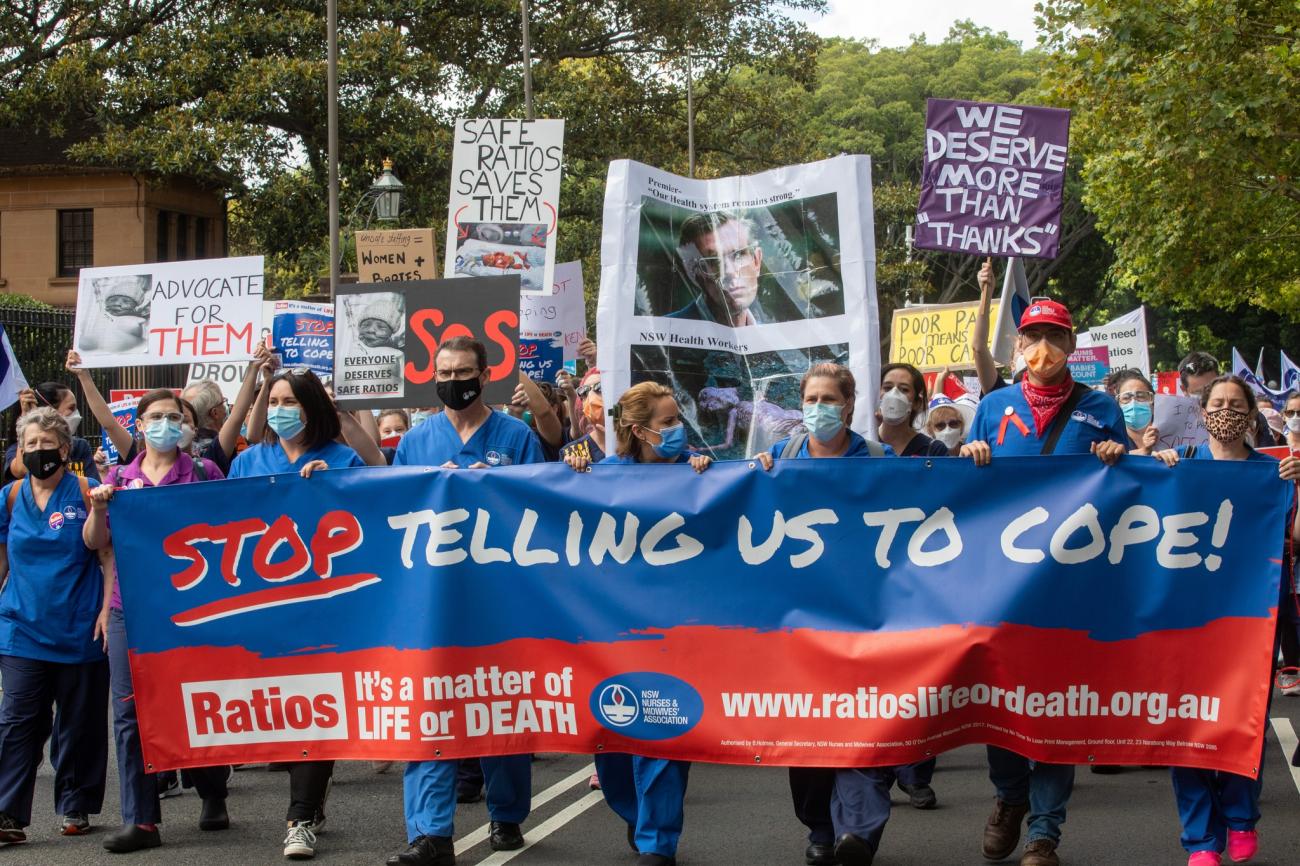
63	652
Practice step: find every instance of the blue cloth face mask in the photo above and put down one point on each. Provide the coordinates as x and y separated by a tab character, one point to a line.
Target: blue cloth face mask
418	418
672	442
285	421
162	434
1137	415
823	420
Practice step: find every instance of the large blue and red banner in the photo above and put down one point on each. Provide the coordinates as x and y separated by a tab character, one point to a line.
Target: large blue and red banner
843	612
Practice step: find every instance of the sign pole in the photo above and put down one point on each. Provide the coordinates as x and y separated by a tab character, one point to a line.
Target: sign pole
690	114
332	122
528	63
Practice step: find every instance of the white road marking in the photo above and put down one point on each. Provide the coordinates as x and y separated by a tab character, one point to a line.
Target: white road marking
1287	739
546	828
469	840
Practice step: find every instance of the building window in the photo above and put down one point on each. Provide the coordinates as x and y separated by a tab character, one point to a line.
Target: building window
163	236
76	241
182	237
201	228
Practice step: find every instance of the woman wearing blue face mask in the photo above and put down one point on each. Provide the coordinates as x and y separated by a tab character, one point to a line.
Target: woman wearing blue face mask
648	793
1137	400
163	461
301	426
845	810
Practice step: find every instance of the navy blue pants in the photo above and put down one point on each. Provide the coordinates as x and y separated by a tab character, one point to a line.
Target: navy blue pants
833	802
650	795
32	689
139	787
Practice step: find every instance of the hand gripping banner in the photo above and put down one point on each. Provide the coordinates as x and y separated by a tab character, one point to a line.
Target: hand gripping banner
846	612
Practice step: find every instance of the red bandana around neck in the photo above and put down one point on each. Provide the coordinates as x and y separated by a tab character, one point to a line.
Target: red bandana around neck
1046	401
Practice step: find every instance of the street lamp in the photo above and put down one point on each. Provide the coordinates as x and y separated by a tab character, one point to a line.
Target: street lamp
387	193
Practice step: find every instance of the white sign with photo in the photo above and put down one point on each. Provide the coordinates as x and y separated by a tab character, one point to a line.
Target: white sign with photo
370	345
169	312
728	290
505	200
564	310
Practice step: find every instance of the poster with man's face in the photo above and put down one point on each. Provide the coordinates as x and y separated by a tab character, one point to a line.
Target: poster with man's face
728	291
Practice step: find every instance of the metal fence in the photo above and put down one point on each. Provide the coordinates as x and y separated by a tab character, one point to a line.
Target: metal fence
41	340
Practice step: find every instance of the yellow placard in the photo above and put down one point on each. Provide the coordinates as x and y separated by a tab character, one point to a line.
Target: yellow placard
934	336
395	255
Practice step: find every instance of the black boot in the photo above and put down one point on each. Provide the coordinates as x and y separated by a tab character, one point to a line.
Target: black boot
130	838
506	836
427	851
214	816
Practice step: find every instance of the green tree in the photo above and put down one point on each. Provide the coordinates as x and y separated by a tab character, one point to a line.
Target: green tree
1187	115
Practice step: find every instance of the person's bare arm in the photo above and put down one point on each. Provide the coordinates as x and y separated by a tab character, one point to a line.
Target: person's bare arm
548	423
257	417
366	420
228	436
98	407
361	441
986	368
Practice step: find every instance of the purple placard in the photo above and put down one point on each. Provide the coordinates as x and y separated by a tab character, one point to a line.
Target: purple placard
993	179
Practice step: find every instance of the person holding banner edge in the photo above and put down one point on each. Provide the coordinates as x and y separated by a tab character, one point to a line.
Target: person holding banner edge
1136	398
302	426
1218	811
648	793
162	462
467	435
1048	413
1288	616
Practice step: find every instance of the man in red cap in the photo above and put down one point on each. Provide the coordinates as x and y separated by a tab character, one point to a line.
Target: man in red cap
1047	413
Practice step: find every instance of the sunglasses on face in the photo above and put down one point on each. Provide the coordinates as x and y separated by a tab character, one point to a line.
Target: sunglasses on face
589	389
1291	413
955	424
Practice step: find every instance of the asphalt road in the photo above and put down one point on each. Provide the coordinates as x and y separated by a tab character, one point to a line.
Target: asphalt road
735	815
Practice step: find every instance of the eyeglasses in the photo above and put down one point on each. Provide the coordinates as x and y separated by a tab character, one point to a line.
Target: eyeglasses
955	424
293	371
174	417
1201	365
1135	396
1291	413
716	266
593	388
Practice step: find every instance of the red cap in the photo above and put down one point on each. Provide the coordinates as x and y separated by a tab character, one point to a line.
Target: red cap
1047	313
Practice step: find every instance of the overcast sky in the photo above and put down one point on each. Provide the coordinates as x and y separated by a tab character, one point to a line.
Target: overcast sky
893	22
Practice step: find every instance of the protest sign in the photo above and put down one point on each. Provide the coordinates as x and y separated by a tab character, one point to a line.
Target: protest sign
390	255
230	376
993	179
169	312
303	335
1168	383
388	334
899	609
540	358
123	410
1089	365
933	336
728	290
1180	422
505	199
564	310
1125	339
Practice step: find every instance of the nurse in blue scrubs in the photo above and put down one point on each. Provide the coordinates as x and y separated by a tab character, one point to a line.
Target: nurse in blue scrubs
468	435
648	793
845	810
302	426
1218	810
53	620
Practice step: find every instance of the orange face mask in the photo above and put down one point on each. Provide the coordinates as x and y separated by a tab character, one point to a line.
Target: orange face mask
1045	359
593	409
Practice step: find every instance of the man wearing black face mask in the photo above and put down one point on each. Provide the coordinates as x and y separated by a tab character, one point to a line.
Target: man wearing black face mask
468	435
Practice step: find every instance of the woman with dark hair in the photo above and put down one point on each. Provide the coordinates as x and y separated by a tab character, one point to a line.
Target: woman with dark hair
1137	400
62	399
302	425
902	399
161	418
53	616
1219	810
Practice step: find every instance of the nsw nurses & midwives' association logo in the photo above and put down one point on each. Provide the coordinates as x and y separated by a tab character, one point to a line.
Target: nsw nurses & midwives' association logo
618	706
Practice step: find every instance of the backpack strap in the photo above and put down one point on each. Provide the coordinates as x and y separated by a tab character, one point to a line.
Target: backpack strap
1063	417
200	469
1189	451
794	445
85	491
13	493
874	448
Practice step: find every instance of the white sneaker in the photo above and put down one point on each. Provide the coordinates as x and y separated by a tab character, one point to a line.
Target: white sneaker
1289	684
300	841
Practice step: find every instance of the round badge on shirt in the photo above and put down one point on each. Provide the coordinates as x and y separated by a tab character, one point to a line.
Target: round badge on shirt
56	520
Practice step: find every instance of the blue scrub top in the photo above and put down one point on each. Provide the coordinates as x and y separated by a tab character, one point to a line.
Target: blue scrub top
620	460
500	441
1202	452
857	448
55	589
1096	418
267	459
